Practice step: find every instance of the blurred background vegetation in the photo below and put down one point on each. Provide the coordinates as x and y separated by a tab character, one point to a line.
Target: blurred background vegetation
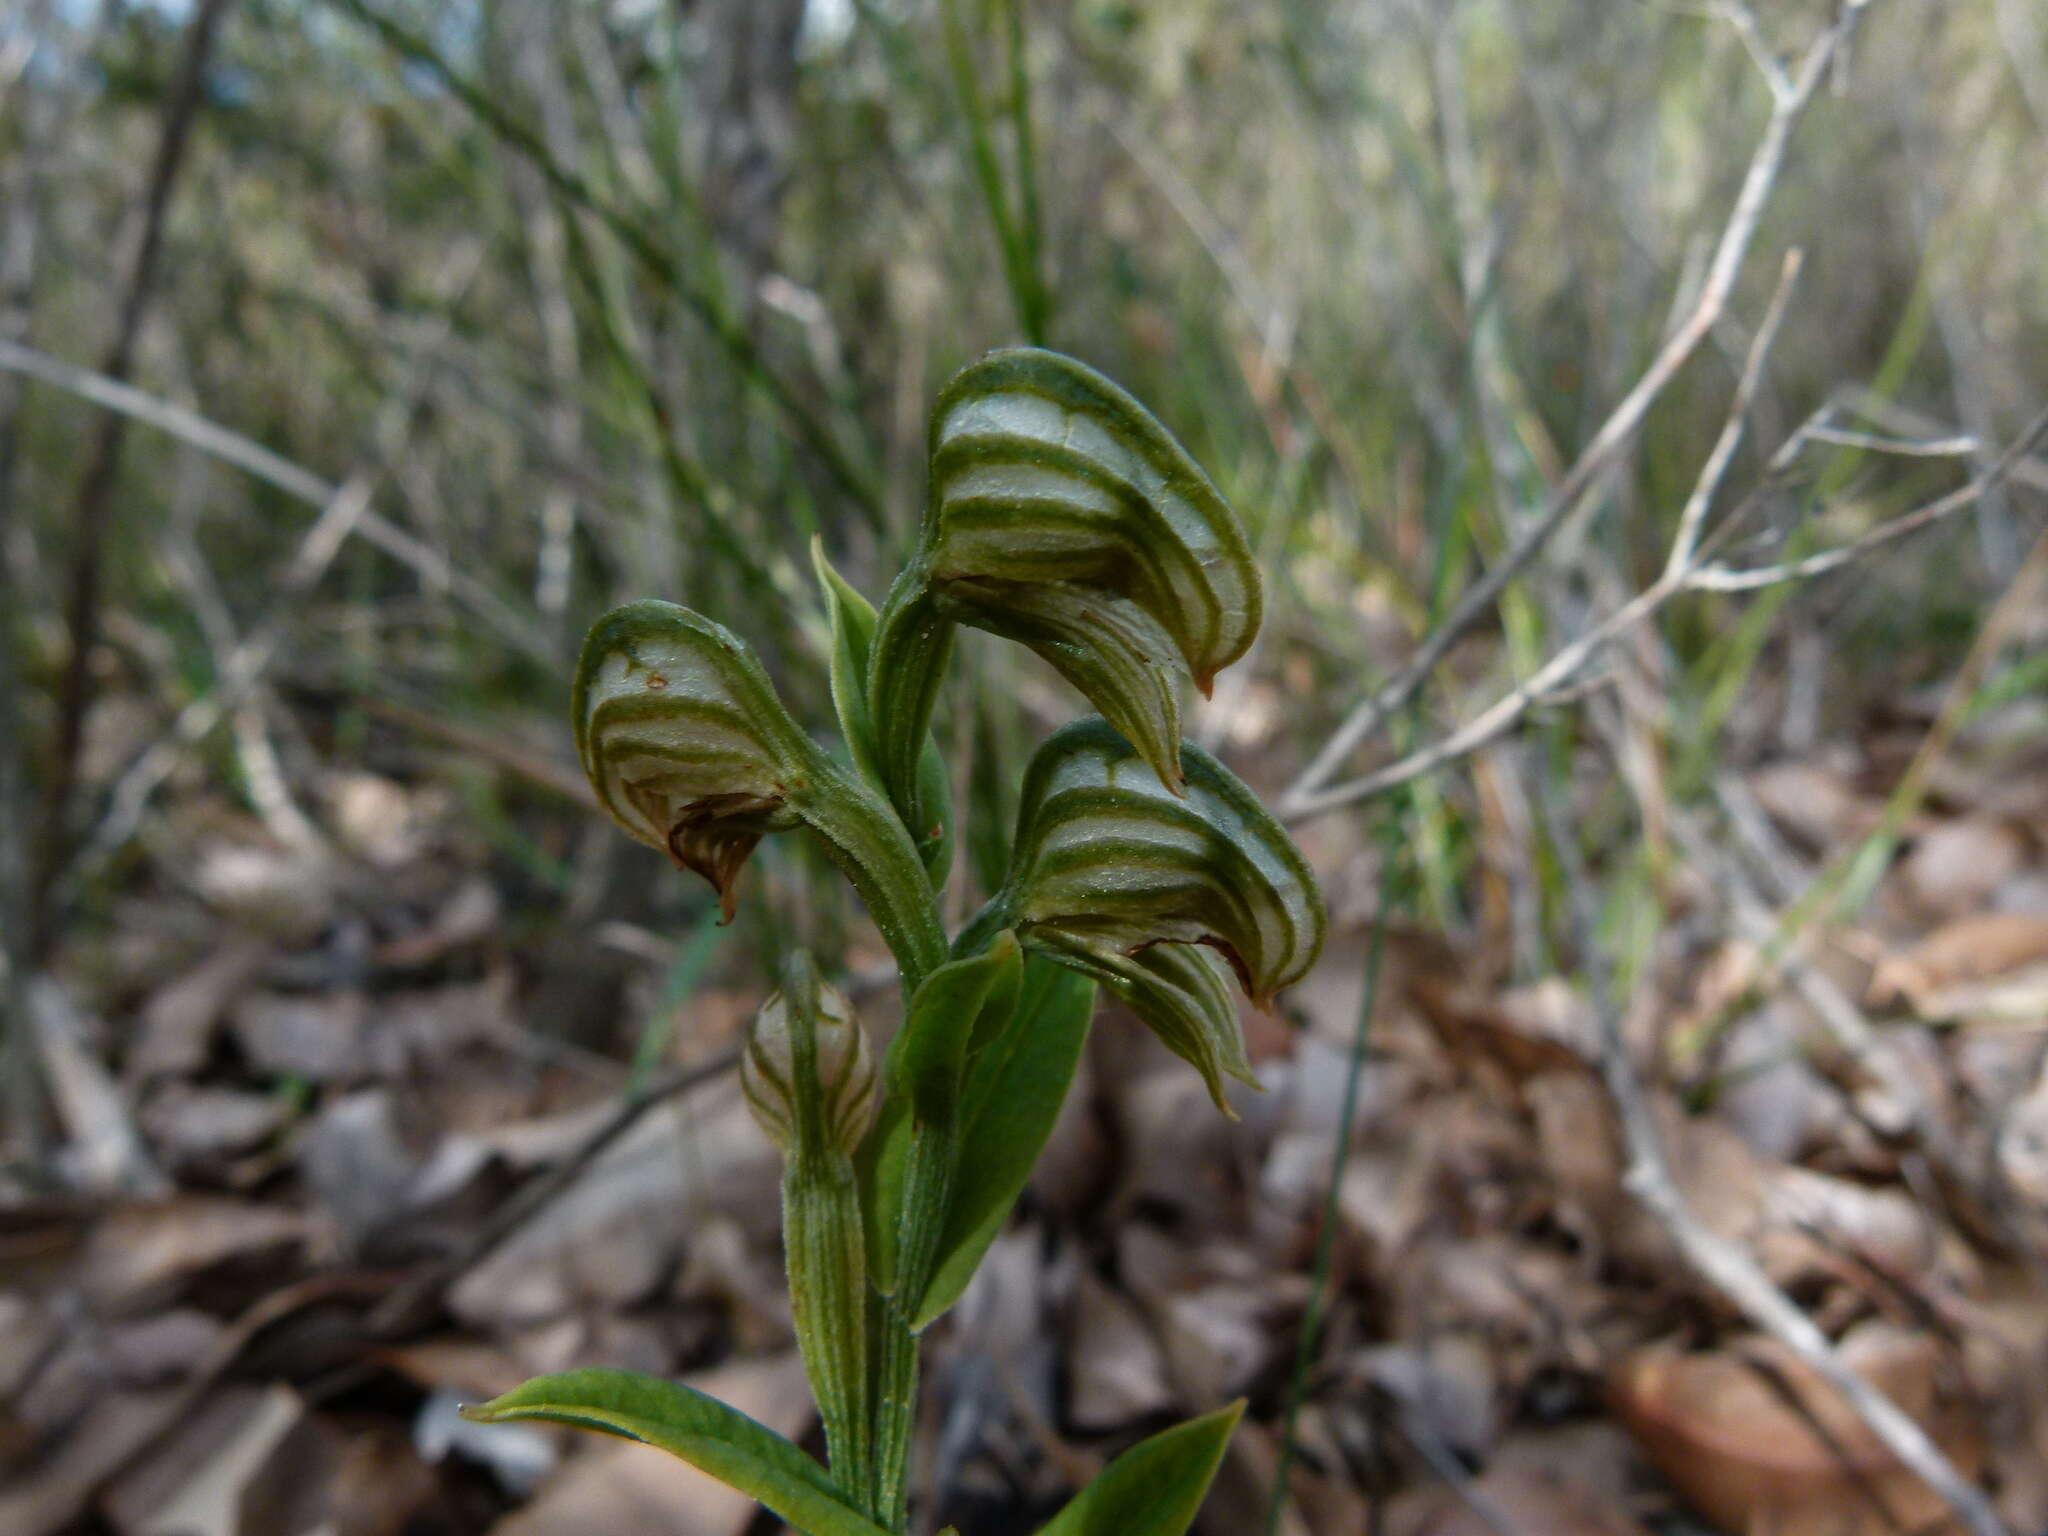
598	301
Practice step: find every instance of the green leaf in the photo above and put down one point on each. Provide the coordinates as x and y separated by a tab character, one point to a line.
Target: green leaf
923	1074
932	831
852	618
929	1054
1156	1487
709	1435
1015	1086
929	812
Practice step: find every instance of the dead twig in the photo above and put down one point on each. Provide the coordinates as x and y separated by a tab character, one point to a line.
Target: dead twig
1308	793
1727	1267
1685	571
296	481
92	511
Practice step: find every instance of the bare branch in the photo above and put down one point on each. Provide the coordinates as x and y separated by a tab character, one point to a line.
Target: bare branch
1718	578
1727	1267
297	482
1729	257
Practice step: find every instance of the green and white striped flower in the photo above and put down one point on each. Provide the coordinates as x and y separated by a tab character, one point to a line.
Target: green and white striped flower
1112	871
690	751
1063	515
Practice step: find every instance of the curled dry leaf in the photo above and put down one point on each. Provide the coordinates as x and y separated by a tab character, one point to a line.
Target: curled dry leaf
1755	1441
1994	962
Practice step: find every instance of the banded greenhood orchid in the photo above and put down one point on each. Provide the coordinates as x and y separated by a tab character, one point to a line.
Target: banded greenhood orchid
1109	863
807	1072
690	751
683	738
1062	515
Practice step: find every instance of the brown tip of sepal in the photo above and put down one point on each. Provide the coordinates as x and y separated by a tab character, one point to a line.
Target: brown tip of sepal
714	837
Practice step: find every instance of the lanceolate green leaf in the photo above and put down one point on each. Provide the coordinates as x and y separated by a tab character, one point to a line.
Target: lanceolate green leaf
928	813
706	1433
853	632
1156	1487
923	1075
1015	1085
929	1055
1064	516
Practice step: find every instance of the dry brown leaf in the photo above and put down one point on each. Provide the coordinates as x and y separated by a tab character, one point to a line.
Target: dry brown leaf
1117	1373
1816	803
197	1127
320	1036
138	1255
1520	1501
242	1464
471	912
176	1027
1316	1505
1724	1430
1955	866
615	1230
51	1495
1944	974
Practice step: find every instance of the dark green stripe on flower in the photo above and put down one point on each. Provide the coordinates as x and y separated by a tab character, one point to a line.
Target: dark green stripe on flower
1116	876
1062	515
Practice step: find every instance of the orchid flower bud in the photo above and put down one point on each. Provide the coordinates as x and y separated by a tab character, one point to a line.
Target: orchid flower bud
810	1080
807	1072
1111	871
1064	516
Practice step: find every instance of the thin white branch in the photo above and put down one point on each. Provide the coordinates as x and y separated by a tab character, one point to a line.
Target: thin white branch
1685	545
1720	578
1730	254
1907	447
1726	1266
297	482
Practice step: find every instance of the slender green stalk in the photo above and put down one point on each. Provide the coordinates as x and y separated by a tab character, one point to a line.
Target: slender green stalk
927	1184
1326	1239
1016	242
726	328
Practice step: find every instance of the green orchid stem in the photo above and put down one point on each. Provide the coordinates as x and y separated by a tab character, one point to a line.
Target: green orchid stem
928	1181
828	1292
869	844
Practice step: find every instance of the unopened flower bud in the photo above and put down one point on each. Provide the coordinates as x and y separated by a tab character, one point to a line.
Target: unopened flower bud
807	1071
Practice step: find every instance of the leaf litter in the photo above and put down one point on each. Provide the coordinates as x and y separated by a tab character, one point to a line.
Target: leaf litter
294	1078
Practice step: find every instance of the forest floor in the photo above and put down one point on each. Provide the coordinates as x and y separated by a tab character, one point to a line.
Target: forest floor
331	1173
